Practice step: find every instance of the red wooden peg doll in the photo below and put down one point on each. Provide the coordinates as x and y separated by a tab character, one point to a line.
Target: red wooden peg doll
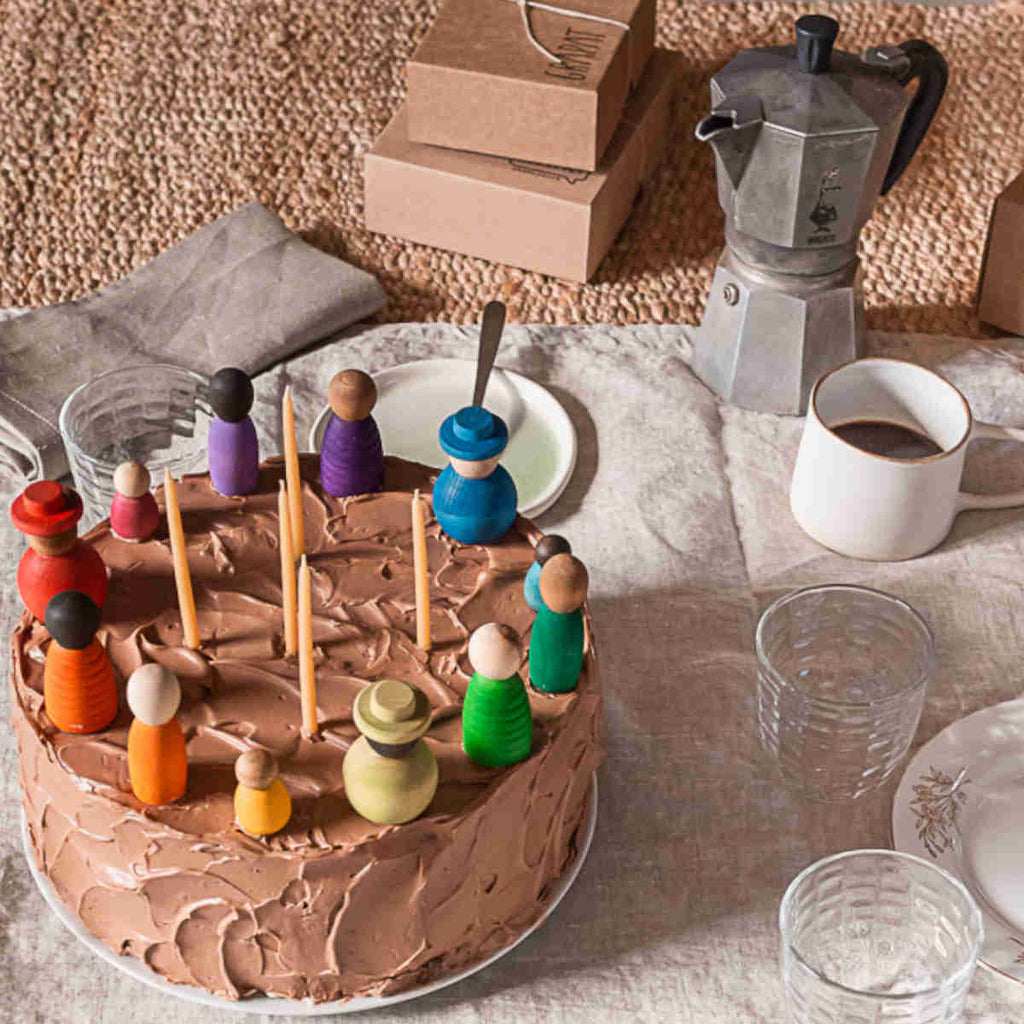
56	559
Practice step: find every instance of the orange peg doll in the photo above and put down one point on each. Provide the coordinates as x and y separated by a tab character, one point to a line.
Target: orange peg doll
79	691
157	758
56	559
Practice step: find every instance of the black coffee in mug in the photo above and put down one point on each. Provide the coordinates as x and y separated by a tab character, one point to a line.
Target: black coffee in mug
891	440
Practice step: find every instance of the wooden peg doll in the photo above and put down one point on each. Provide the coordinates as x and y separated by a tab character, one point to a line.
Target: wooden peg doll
474	498
351	456
157	758
79	691
390	773
134	515
548	546
556	640
497	727
262	803
56	559
234	452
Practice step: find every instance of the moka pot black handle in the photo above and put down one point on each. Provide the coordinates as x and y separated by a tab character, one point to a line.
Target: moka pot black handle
928	65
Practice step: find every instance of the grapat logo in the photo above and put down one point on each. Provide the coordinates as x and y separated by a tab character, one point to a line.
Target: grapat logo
577	51
569	174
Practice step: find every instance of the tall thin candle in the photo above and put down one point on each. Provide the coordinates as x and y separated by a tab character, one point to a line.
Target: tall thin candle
307	680
291	468
422	573
288	595
182	577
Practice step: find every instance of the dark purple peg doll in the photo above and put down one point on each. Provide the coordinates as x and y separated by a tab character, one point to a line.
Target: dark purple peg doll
233	451
351	455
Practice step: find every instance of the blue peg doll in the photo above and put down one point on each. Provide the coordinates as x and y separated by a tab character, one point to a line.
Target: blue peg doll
474	498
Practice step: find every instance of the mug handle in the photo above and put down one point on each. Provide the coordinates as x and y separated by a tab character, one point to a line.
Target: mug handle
1010	499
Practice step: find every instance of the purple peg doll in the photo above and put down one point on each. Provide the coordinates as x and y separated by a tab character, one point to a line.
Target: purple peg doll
351	455
233	450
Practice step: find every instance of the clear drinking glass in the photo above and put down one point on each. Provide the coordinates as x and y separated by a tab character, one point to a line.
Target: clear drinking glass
157	414
874	935
842	675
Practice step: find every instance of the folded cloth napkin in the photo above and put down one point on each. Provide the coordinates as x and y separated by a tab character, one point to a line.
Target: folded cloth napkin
243	291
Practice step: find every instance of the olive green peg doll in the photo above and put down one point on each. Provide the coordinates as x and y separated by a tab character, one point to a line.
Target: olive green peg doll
556	640
497	726
390	773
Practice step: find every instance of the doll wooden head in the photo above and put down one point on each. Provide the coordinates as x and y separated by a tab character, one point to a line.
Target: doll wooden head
231	394
154	694
563	583
131	479
494	651
352	394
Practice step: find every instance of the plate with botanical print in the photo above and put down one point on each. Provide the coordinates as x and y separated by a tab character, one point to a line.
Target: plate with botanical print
960	803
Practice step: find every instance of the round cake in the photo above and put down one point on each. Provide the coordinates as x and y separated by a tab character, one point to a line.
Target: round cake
332	906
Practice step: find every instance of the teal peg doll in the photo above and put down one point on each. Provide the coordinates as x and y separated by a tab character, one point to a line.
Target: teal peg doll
556	640
497	726
547	547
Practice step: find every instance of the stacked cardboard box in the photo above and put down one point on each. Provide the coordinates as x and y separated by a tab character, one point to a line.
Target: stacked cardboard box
519	157
1001	295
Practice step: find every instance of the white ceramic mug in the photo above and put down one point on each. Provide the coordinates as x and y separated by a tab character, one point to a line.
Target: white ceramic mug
874	506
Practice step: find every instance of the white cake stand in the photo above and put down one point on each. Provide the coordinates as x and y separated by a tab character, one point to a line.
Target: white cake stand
413	400
289	1007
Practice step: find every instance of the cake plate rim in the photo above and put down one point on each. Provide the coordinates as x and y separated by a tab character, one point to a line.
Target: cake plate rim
532	394
276	1006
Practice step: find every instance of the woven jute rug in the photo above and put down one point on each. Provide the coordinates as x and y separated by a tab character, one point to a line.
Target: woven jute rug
127	124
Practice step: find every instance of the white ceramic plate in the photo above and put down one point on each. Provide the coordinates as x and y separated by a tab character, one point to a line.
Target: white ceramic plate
413	400
951	806
287	1007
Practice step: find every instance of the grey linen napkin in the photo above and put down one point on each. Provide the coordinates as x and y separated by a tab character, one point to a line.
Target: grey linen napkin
242	291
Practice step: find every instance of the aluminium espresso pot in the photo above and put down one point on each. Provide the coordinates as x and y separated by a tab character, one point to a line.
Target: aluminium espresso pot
805	139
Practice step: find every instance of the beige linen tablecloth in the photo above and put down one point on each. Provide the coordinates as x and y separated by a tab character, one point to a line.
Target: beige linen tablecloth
679	508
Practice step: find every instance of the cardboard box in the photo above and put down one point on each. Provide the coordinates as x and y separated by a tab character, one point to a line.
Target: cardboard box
555	220
477	83
1001	299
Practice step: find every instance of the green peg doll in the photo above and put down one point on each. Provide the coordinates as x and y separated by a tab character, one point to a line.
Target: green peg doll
497	726
556	641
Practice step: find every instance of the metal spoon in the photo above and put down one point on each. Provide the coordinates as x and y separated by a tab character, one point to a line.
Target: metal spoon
491	326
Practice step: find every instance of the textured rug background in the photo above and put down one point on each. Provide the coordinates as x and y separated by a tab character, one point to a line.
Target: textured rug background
127	124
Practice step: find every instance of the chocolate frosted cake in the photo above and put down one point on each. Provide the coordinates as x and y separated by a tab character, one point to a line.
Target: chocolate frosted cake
332	906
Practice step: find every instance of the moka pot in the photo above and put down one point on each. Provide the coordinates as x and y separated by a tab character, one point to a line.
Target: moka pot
805	138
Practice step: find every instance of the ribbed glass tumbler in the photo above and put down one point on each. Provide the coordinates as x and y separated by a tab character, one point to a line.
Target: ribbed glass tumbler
842	675
158	415
874	936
